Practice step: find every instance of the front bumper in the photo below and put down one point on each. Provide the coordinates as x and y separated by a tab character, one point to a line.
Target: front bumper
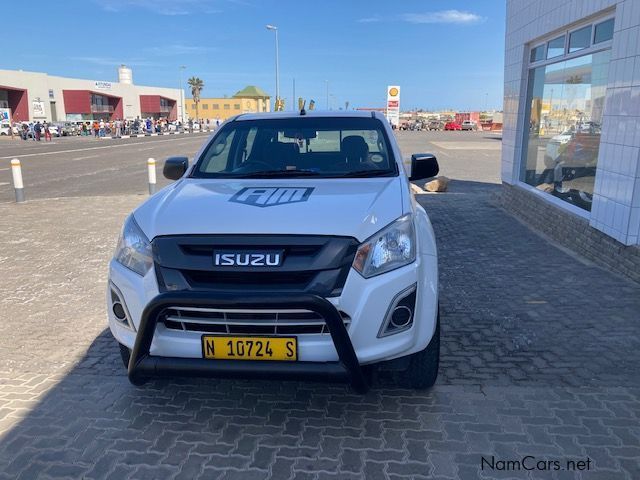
365	300
143	365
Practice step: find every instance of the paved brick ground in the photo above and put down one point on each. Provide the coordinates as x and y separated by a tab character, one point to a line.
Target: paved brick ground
540	355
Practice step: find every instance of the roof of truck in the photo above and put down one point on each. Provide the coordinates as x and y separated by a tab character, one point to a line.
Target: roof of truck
313	113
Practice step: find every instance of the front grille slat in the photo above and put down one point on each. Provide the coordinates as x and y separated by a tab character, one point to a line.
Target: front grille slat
254	280
176	319
247	322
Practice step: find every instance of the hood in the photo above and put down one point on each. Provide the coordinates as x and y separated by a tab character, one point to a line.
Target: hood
346	207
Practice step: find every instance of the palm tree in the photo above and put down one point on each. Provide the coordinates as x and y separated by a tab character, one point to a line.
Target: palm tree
196	85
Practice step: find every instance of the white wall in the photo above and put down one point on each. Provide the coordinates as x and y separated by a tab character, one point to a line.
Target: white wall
39	84
616	203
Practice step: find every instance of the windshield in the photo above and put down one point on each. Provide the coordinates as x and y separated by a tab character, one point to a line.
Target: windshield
298	147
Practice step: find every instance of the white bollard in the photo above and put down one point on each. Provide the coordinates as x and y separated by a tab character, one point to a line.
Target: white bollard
16	171
151	169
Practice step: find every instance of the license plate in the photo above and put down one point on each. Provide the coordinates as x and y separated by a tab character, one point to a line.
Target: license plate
219	347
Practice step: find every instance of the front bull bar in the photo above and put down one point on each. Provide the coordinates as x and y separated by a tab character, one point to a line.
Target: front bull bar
143	366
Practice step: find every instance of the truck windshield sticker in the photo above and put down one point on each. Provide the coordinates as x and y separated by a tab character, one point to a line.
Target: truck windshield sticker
270	196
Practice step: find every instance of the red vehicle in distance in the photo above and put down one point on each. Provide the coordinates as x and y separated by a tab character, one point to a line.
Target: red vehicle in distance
452	126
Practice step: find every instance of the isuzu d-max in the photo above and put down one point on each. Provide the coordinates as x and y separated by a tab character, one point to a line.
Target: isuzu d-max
290	247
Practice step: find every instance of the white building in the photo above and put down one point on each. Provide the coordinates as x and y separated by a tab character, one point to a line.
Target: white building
571	138
32	96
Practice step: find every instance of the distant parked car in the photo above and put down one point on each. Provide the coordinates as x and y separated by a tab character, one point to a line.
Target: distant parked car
435	125
469	125
5	129
452	126
53	130
555	146
68	129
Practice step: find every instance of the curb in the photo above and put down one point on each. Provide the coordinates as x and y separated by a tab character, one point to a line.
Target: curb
140	135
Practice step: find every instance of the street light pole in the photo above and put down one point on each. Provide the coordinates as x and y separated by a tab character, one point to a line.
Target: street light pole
275	29
182	67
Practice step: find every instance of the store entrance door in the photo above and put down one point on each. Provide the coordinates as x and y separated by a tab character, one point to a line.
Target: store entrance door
54	112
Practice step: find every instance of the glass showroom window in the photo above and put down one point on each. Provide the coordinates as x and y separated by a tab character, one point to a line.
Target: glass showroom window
564	117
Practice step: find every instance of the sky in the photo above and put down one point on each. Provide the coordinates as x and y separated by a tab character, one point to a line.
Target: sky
443	54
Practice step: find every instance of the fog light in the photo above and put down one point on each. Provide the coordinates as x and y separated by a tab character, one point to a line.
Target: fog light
399	317
118	311
119	308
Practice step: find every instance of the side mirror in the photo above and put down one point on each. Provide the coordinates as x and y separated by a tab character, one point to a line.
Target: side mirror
423	165
175	167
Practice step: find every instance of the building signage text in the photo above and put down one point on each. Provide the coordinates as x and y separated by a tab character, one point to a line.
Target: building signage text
103	85
393	104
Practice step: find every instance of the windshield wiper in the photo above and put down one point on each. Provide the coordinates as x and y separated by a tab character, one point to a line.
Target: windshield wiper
365	173
280	173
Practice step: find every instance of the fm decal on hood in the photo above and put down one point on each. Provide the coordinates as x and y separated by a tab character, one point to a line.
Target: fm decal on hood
270	196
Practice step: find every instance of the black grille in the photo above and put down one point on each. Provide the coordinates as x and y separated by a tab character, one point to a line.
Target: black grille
251	280
312	264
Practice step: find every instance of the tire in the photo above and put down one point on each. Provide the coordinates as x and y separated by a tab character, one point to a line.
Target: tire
422	371
125	354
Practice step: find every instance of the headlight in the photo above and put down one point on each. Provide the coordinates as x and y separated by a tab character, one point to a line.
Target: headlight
134	249
392	247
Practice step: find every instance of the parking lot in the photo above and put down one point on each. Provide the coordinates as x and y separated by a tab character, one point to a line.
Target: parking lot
540	347
87	166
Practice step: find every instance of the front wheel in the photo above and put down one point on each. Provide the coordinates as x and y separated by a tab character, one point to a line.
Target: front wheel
422	371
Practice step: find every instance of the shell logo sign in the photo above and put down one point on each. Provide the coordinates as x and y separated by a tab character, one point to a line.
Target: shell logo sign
393	104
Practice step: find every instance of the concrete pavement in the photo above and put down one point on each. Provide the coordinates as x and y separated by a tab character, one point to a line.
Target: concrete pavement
539	365
85	166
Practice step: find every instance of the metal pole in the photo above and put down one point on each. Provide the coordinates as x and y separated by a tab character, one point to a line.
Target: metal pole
151	171
16	172
181	97
277	68
293	98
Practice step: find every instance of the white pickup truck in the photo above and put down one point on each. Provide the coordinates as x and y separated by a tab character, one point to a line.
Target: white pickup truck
290	247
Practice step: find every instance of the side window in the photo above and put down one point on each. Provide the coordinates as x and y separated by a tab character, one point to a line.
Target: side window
580	39
282	138
555	47
246	148
372	137
603	31
326	141
537	54
217	155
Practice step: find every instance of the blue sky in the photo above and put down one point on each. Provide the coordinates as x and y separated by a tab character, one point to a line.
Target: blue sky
444	54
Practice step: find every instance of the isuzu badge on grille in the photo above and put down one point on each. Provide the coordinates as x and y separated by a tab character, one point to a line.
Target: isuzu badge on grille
247	259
